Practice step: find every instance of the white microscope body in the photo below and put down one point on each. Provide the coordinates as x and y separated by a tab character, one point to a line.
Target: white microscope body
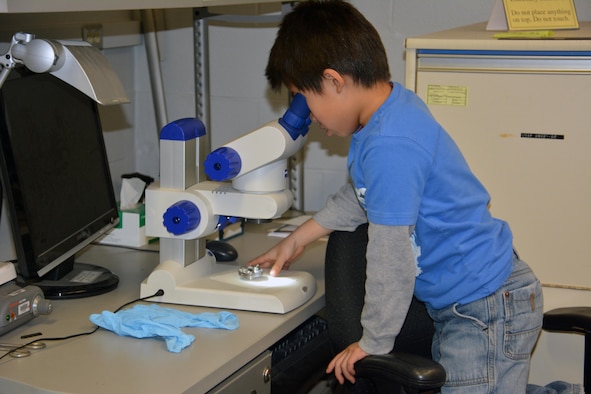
182	211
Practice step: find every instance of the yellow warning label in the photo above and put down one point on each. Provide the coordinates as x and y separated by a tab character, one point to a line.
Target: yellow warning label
455	96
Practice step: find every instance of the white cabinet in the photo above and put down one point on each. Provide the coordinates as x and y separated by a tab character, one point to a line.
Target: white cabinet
520	110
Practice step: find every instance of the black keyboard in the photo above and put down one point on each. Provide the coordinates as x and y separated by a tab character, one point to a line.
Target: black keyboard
299	360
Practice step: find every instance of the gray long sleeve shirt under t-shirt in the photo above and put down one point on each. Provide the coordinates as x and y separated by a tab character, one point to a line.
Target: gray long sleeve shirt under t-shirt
390	271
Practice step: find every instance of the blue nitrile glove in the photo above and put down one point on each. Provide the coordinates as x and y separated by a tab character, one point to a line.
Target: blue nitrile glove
145	321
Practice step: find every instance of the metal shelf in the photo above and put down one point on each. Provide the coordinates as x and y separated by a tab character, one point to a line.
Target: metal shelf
31	6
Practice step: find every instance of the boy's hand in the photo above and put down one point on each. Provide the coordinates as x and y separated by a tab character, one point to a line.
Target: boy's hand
343	364
280	256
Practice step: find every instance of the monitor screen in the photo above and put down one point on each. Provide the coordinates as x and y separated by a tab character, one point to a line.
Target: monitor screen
56	181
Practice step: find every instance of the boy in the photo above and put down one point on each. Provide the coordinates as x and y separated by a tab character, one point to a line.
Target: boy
430	231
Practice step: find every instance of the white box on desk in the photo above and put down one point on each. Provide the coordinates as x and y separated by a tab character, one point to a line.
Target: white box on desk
131	230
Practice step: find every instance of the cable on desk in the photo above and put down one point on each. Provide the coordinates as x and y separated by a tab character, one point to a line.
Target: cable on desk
157	294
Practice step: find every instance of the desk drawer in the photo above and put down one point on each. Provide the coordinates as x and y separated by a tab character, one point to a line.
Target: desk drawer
253	378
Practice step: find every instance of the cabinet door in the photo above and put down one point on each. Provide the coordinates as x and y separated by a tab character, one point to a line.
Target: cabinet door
527	137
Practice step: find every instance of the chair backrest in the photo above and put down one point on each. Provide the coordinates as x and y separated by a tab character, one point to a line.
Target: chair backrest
345	290
575	319
401	372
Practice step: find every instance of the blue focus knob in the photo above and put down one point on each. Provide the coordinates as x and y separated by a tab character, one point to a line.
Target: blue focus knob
182	217
222	164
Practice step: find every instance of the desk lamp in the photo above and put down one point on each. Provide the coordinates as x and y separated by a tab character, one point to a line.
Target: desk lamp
248	179
75	62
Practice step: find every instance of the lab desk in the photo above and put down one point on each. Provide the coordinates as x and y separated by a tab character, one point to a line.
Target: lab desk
105	362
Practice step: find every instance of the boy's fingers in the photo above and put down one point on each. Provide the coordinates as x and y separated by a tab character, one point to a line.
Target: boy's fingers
349	373
277	267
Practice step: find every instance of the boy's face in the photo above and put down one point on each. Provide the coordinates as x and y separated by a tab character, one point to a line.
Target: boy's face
334	109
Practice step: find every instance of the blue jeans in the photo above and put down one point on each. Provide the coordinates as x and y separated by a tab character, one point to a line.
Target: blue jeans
485	346
557	387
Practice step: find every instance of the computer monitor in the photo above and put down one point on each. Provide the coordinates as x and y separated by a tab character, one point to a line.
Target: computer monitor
56	183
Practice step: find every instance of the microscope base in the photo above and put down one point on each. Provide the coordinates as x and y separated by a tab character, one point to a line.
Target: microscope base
205	283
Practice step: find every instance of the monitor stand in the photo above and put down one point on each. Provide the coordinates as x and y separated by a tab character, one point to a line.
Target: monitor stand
74	280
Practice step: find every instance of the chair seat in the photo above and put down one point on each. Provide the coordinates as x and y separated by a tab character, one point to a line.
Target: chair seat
569	319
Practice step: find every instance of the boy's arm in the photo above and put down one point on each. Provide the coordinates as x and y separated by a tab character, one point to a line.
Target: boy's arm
342	211
389	286
391	270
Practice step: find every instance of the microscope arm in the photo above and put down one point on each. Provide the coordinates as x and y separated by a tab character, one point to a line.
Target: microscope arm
249	178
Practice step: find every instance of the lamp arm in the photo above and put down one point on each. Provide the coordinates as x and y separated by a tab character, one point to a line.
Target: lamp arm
8	60
3	75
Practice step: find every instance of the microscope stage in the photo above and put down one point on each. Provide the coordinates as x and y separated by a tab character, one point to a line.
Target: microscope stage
226	289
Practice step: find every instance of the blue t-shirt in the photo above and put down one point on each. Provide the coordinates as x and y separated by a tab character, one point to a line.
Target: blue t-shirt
407	171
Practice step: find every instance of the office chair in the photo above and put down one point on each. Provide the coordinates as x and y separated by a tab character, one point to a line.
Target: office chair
578	320
409	368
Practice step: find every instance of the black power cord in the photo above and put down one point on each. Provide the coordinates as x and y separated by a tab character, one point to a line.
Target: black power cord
157	294
1	199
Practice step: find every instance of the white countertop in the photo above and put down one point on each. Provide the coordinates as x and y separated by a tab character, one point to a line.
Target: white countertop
107	363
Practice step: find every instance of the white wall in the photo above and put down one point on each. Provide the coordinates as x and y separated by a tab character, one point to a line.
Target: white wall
175	44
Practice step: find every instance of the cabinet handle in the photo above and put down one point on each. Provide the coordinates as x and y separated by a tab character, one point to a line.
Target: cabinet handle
267	375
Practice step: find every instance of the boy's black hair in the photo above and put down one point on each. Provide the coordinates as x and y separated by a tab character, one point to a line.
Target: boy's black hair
318	35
